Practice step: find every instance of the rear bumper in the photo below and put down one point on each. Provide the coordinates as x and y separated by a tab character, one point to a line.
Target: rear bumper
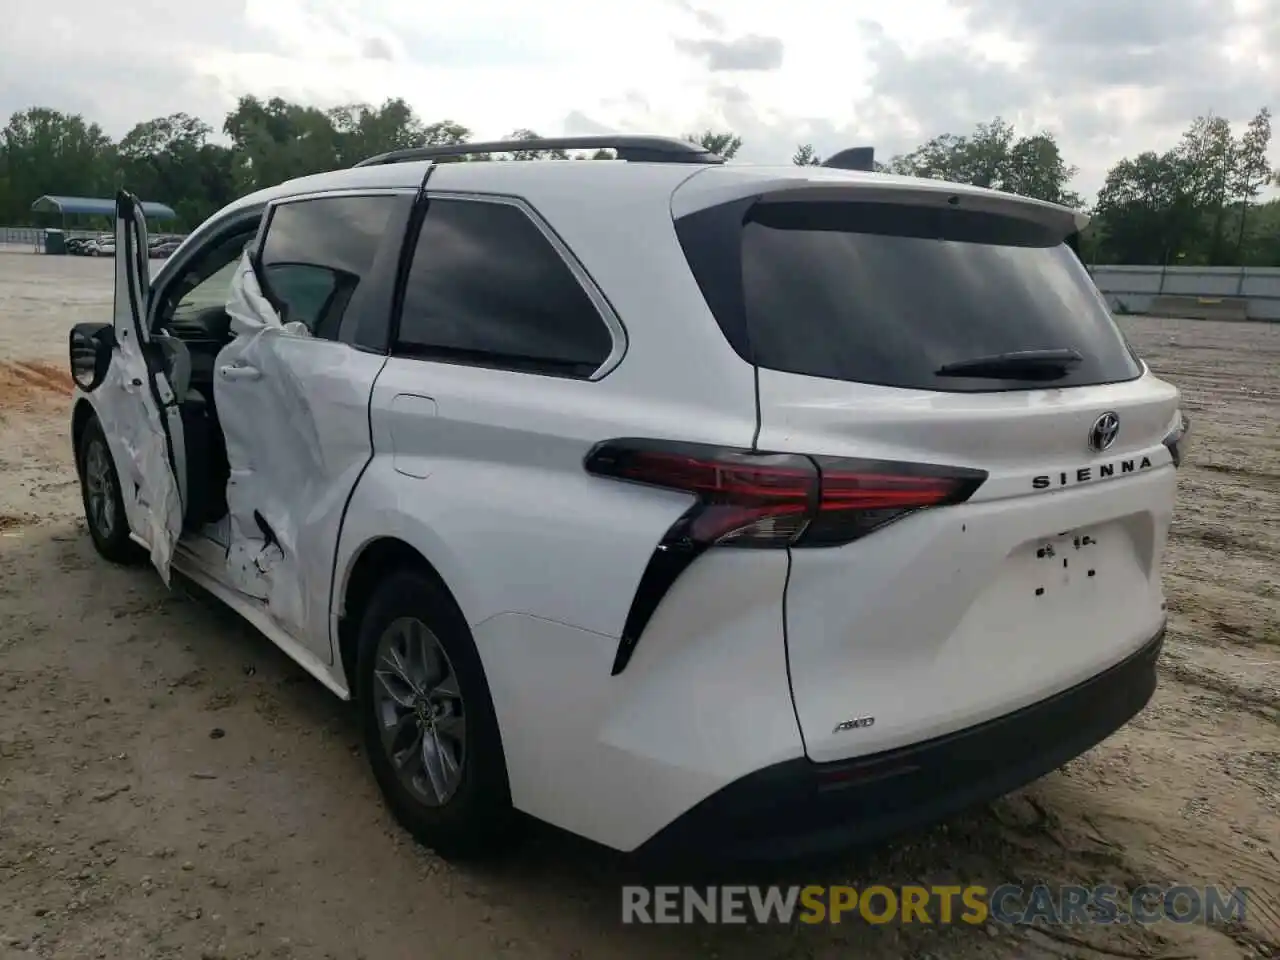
800	808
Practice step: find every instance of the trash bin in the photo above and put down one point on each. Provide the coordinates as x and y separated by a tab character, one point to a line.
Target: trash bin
55	241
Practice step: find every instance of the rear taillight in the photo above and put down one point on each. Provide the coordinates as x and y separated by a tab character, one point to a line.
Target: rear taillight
859	496
748	499
743	498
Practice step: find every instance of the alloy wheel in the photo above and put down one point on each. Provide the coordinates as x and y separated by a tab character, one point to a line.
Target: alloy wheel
420	711
100	489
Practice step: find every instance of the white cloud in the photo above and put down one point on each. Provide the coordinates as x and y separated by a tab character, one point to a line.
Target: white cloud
1109	78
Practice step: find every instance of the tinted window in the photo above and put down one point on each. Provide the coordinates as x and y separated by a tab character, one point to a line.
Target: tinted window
887	294
487	287
317	252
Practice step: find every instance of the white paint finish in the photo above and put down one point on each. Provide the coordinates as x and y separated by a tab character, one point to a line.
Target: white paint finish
704	701
141	431
403	417
861	642
506	505
1013	435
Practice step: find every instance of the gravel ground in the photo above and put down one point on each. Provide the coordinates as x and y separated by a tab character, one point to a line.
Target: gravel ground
172	786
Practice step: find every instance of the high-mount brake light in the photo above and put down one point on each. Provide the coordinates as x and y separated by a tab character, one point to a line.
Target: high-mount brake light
744	498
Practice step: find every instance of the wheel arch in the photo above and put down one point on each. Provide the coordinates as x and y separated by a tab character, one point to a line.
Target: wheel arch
81	414
372	563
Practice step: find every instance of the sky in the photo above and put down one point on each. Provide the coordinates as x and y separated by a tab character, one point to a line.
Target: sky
1109	78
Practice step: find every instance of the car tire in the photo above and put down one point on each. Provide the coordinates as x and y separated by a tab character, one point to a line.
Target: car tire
444	780
103	503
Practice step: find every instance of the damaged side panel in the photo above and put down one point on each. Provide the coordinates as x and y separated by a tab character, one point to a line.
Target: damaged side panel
294	413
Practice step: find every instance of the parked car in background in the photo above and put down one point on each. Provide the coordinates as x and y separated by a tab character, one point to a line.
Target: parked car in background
165	248
89	246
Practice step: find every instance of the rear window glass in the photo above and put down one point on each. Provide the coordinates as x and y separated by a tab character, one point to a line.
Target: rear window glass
888	293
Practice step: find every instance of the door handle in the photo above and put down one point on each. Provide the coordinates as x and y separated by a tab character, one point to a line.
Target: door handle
240	372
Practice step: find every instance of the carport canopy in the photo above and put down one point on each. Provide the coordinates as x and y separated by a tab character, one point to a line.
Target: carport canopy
97	207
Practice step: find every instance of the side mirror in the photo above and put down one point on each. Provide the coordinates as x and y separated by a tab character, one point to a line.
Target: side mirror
91	346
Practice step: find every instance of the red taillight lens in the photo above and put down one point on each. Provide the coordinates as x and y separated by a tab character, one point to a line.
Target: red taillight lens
860	495
744	498
774	499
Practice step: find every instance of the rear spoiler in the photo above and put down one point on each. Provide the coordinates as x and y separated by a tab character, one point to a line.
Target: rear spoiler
733	183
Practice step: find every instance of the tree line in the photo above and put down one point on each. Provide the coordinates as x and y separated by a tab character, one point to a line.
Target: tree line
1196	202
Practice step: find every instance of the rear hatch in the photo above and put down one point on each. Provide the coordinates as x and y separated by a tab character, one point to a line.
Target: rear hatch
907	330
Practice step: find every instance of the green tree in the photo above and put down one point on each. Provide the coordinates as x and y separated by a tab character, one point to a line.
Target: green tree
994	156
46	151
1148	210
1208	151
363	131
277	141
1261	239
1192	201
1252	172
721	143
806	156
169	159
524	134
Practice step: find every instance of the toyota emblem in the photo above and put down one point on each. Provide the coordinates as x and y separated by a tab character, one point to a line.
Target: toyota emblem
1104	431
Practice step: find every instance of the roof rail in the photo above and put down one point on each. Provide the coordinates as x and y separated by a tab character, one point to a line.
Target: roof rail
634	148
855	158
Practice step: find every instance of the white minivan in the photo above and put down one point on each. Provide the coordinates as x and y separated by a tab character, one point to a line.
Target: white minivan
687	506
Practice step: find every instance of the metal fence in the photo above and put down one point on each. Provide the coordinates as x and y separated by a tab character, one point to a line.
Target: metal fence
1134	289
26	236
33	237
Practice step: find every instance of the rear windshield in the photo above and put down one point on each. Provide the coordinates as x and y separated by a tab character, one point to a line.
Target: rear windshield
887	293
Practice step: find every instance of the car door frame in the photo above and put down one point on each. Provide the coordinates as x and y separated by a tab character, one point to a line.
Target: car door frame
317	632
210	234
137	404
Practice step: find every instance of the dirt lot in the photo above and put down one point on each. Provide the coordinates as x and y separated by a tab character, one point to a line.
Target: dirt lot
171	786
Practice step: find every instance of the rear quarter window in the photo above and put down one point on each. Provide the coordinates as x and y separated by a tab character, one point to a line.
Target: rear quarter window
888	293
486	287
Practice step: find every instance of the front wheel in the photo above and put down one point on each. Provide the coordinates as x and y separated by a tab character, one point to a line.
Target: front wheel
103	504
429	725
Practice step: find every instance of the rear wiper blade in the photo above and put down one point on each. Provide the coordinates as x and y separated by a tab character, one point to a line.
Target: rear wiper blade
1032	364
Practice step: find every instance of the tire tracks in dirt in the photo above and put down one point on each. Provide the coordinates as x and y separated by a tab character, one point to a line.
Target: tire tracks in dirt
29	385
